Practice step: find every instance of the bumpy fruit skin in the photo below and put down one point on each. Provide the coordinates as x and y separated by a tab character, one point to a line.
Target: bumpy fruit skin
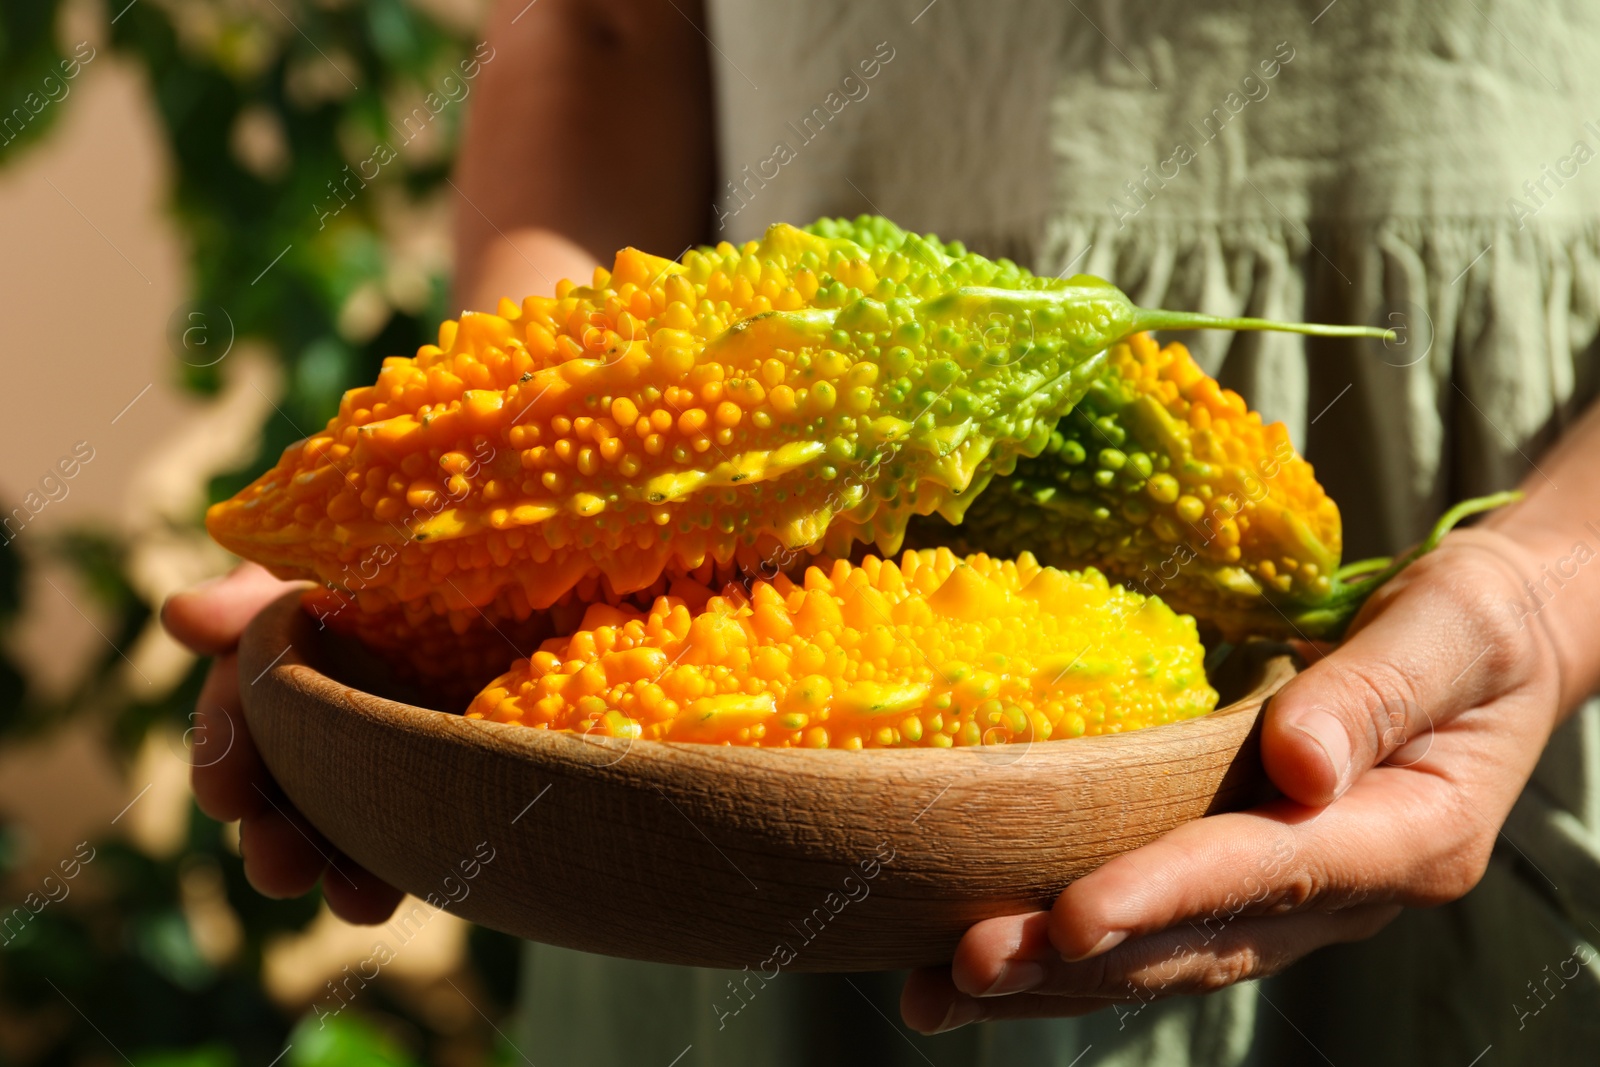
932	651
738	409
1170	484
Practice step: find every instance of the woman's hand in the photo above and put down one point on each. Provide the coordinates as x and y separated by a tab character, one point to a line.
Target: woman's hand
283	855
1399	756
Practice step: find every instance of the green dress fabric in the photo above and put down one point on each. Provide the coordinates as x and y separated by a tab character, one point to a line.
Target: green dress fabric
1428	165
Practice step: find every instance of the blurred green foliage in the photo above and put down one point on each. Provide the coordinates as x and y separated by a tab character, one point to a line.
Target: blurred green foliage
273	116
31	77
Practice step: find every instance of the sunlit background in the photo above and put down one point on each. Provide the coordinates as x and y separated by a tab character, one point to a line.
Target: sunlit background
215	213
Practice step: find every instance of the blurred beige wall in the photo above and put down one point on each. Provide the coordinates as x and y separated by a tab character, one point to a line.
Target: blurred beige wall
94	272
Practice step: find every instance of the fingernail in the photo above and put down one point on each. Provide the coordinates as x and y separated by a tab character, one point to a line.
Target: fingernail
1330	735
1110	941
963	1011
1018	976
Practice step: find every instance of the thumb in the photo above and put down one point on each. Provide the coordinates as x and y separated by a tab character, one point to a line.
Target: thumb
1432	649
208	618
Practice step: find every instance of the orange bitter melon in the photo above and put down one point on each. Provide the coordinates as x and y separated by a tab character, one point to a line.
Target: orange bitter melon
929	651
733	410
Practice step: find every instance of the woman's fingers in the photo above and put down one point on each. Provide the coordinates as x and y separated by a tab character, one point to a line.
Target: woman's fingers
1400	835
930	1003
1438	641
283	854
1179	961
1225	898
1005	955
357	895
208	618
230	781
1212	870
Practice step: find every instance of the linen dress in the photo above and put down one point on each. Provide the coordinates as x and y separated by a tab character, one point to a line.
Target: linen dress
1427	165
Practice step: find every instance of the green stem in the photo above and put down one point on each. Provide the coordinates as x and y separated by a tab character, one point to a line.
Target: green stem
1330	618
1361	566
1156	319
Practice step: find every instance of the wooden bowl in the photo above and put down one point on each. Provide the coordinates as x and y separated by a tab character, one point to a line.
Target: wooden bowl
808	860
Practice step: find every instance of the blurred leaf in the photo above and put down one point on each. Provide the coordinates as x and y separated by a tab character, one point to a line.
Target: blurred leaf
32	80
203	1056
51	947
13	694
343	1041
394	33
498	961
319	377
98	558
13	687
164	941
10	848
10	577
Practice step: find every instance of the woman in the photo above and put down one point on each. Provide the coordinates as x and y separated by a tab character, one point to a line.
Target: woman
1434	862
